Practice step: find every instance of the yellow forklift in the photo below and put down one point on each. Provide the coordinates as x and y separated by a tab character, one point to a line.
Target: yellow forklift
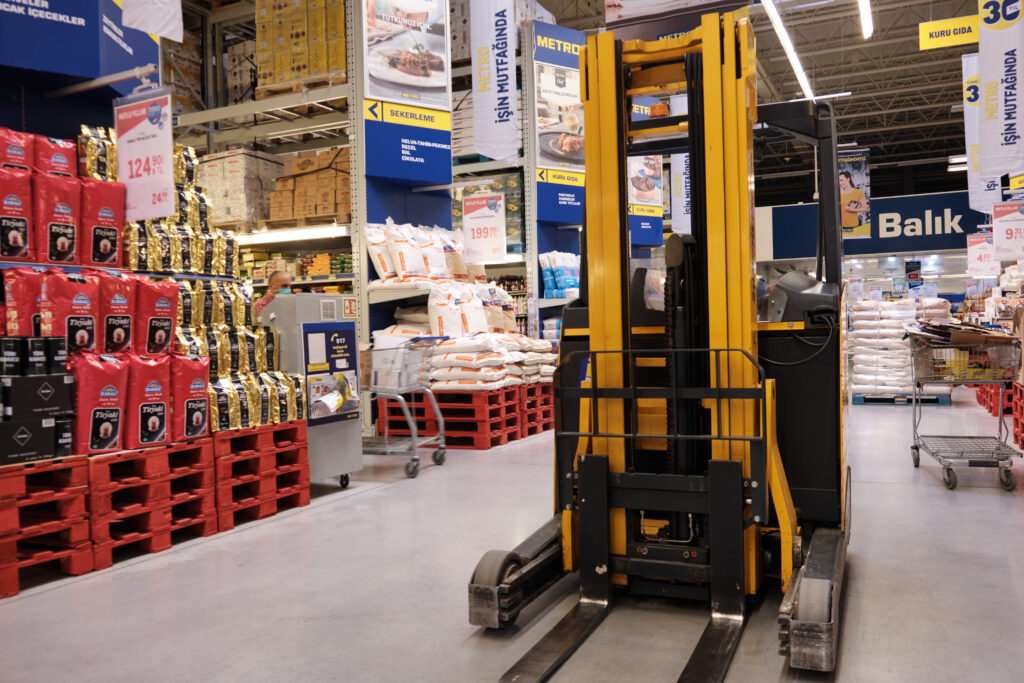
697	451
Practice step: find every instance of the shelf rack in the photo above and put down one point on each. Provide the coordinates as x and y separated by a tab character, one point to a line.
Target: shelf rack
4	265
310	279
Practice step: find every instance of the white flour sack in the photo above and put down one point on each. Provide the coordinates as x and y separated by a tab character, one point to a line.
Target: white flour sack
468	385
486	374
444	314
468	360
432	252
377	245
478	343
413	314
405	251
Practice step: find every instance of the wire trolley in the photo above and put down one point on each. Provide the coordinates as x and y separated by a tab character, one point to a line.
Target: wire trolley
938	362
397	372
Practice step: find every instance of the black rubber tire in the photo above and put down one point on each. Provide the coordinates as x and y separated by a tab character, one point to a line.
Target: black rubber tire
915	455
1007	479
412	468
439	456
344	481
492	569
949	478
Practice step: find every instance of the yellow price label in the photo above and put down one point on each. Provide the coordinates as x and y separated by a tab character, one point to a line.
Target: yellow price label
420	117
558	177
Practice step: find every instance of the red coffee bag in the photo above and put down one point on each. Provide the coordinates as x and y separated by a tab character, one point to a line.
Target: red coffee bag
147	404
68	306
100	385
156	305
57	201
16	149
22	293
188	396
54	156
102	217
15	215
116	311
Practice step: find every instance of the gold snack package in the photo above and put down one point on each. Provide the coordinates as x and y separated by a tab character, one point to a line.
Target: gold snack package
203	206
300	396
273	405
241	303
259	398
206	245
225	409
96	157
214	409
239	356
219	351
173	261
111	154
189	313
186	236
193	209
231	255
206	289
219	247
135	246
197	255
254	350
158	243
223	311
285	396
272	347
188	340
180	203
185	164
246	407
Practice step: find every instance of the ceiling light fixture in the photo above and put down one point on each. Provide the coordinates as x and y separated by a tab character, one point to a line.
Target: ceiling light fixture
958	159
957	168
787	46
867	24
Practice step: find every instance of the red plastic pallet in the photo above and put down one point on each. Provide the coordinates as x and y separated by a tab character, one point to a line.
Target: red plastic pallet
401	428
128	499
24	516
288	433
242	441
390	409
291	455
233	492
185	486
194	527
293	497
229	516
148	542
479	442
291	477
132	525
548	424
245	465
53	534
197	504
74	561
190	455
532	428
128	467
43	477
476	398
483	428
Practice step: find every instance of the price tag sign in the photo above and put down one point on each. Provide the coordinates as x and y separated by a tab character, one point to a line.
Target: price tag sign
483	227
856	288
981	256
145	153
875	292
1008	230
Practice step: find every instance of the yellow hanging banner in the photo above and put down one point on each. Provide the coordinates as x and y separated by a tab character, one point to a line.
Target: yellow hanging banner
947	32
1016	182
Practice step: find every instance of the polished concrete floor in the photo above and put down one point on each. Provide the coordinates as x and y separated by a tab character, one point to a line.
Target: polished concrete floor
370	584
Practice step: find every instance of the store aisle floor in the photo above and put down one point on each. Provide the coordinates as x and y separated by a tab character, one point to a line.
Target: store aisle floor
370	584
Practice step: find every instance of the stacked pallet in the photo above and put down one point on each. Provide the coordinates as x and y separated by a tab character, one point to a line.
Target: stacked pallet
44	518
260	471
477	420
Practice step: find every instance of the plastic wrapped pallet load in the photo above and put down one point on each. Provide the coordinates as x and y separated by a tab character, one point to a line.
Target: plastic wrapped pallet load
881	357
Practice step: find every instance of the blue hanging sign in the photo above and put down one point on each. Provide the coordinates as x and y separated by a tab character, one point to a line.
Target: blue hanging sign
408	144
559	118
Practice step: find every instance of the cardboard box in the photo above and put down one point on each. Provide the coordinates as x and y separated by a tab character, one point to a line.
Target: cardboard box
325	188
342	182
300	61
27	440
282	184
305	210
343	196
337	55
283	198
325	209
324	197
37	396
298	26
264	10
282	65
281	213
303	195
300	165
335	21
318	58
316	23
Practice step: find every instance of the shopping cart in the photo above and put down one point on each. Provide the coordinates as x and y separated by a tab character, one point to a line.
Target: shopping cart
396	372
937	362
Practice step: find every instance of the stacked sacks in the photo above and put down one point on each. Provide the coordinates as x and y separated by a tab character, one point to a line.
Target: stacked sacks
409	256
489	361
881	355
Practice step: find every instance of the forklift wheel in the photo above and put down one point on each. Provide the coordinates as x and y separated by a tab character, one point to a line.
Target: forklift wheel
493	568
949	478
344	481
1007	480
439	456
412	468
915	455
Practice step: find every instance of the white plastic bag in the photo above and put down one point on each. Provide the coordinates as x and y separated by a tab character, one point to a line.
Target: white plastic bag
377	245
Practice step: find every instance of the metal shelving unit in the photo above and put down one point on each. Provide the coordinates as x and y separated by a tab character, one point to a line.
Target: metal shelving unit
311	279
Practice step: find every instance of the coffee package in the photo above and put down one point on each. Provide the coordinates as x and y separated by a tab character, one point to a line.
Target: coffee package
68	307
156	305
102	217
17	149
116	310
189	397
147	401
56	157
16	215
56	204
22	292
101	383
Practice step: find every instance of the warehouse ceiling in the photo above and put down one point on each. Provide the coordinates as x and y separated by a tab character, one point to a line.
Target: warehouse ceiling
900	102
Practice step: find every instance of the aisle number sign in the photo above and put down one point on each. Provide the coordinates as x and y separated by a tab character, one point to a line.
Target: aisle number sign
408	143
947	32
145	154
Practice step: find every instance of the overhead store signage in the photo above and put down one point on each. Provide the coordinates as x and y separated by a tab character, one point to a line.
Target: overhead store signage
984	192
405	55
483	227
145	154
981	256
493	46
559	120
407	110
1008	230
947	32
84	39
925	222
1001	43
408	144
854	193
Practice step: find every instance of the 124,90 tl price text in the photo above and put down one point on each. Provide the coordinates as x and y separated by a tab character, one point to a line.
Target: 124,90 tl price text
145	166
